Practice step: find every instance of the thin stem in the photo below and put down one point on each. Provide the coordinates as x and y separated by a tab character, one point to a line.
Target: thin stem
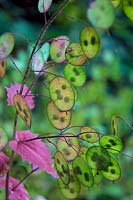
126	122
44	29
25	177
15	65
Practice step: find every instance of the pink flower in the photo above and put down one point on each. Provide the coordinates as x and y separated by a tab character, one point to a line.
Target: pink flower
14	89
33	151
3	164
18	193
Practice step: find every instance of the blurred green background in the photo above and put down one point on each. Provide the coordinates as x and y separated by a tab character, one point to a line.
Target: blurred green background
107	91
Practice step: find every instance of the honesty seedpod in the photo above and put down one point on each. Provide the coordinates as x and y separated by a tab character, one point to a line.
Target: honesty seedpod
2	68
98	157
88	134
62	167
22	108
3	139
39	58
128	8
44	5
75	74
90	42
59	119
69	146
6	45
62	93
58	47
101	13
116	3
82	171
71	190
112	143
75	55
113	171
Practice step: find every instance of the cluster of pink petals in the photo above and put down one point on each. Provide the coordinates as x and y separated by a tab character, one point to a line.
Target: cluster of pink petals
14	89
18	193
3	164
33	151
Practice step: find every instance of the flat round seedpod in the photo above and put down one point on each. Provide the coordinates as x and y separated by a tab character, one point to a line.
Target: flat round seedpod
6	45
62	93
116	3
89	134
82	152
39	58
44	5
62	167
59	119
90	42
128	8
71	190
2	68
112	143
58	48
75	74
3	139
75	55
22	108
113	171
82	171
98	157
101	13
69	146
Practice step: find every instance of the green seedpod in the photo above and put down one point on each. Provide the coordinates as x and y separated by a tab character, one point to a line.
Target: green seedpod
3	139
128	8
72	189
112	143
113	171
69	146
82	171
58	48
2	68
75	55
62	167
90	42
75	74
89	134
22	108
101	13
97	176
6	45
116	3
62	93
98	157
82	152
59	119
114	124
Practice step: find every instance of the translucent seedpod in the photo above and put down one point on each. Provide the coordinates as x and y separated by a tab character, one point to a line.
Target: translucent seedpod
75	74
2	68
98	158
69	146
59	119
89	134
44	5
101	13
3	139
22	108
116	3
82	171
113	171
7	42
62	93
128	8
112	143
39	58
71	190
75	55
62	167
90	41
58	47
